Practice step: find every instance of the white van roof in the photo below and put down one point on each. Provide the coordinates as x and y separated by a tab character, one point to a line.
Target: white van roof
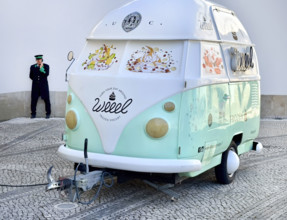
162	20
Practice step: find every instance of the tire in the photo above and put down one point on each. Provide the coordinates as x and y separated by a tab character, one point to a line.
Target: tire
222	176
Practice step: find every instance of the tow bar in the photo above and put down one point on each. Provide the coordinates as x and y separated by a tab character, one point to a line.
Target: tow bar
84	182
88	180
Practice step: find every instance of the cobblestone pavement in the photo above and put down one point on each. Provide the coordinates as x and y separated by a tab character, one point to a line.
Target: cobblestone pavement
28	148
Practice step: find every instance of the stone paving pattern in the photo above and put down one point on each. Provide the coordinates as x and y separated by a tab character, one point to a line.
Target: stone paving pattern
28	148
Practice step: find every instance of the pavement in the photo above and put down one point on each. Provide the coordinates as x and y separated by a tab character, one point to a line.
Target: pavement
28	148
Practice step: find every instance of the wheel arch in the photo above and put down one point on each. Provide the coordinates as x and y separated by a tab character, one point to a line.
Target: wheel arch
237	139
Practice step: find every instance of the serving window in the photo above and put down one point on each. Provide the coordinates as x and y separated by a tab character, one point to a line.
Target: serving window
241	61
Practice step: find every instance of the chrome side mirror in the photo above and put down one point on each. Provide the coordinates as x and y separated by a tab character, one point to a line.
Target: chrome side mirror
70	56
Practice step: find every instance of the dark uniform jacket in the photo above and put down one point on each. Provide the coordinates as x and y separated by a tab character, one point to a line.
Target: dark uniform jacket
40	85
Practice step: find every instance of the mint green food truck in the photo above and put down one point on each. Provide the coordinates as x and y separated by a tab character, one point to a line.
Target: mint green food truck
163	88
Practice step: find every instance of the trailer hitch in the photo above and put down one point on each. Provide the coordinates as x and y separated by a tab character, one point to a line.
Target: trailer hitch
88	180
85	181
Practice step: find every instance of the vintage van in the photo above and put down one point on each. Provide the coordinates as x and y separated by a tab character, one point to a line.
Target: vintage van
165	87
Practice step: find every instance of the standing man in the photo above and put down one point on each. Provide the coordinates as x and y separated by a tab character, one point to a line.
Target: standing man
39	73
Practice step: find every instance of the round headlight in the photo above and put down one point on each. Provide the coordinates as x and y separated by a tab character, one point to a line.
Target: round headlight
157	128
69	99
169	106
71	119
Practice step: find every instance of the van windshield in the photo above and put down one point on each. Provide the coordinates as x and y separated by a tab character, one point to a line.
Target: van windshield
229	26
132	57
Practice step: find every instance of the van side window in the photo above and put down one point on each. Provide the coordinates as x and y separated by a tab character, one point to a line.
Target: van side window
212	64
229	26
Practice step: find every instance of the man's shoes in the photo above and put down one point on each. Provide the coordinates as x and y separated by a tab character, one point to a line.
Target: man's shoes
33	116
47	116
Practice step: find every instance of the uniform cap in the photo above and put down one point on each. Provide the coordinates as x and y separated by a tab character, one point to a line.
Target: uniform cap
38	57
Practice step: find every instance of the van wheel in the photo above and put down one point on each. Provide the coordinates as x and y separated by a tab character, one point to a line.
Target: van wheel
221	171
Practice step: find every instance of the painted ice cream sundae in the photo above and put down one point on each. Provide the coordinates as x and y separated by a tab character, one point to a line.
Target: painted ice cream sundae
151	60
101	59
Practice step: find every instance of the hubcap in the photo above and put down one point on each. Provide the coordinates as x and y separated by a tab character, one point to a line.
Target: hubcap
232	162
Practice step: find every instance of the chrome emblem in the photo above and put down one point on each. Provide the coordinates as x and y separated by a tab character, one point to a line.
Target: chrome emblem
131	21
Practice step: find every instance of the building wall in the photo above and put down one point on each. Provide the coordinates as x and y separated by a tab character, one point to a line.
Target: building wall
17	104
53	28
265	22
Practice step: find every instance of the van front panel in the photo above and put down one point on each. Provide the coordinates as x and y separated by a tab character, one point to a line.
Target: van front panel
134	141
117	80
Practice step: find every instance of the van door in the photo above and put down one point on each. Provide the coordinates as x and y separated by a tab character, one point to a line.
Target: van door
244	91
243	72
205	109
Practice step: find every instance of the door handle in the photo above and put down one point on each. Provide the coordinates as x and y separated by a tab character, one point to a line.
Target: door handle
226	97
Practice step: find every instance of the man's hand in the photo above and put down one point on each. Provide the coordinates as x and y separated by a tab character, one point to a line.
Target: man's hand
42	69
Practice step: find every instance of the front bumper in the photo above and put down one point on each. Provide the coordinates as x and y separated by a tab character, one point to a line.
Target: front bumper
131	163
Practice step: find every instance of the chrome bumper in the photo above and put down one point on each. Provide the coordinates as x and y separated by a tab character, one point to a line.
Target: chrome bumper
145	165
